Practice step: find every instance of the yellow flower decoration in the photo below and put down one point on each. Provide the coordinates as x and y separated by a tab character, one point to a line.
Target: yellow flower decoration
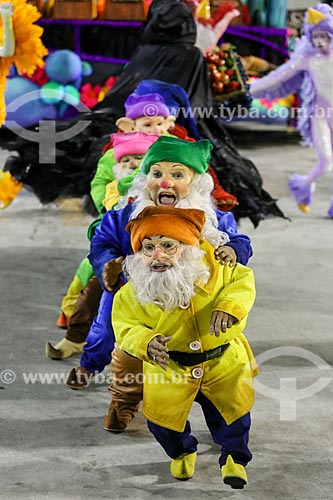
29	49
9	188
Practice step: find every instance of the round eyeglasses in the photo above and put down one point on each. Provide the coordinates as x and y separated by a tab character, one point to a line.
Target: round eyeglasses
167	247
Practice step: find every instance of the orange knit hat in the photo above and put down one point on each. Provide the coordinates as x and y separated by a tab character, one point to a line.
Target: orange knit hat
182	224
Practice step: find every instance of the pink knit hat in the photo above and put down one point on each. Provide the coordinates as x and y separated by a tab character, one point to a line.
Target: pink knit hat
131	143
149	105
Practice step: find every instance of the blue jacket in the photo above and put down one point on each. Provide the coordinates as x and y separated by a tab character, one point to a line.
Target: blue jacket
111	240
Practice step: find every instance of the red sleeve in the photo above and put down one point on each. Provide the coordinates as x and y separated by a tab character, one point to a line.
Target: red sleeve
107	146
180	132
246	15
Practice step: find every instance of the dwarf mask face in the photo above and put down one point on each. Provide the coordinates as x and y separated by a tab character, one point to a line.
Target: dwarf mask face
169	182
126	166
160	252
156	125
164	272
130	162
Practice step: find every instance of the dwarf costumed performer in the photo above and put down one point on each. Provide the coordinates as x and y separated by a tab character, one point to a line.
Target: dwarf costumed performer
148	114
183	315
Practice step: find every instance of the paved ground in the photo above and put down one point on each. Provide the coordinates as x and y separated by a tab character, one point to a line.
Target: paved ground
53	446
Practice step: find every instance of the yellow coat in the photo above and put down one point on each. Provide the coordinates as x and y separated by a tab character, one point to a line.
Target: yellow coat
226	381
112	195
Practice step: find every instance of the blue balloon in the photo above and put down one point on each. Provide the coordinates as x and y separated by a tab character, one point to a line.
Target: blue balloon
27	102
63	66
23	103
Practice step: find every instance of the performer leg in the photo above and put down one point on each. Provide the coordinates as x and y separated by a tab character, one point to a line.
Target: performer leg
180	446
126	390
174	443
85	311
82	276
68	302
100	339
97	350
232	438
322	140
302	187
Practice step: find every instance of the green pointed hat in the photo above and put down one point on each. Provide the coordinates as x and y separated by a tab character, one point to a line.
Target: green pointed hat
194	155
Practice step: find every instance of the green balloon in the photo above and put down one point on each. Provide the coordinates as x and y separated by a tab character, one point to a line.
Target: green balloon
72	95
52	92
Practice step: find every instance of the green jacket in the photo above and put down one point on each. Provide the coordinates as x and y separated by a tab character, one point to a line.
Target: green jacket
103	175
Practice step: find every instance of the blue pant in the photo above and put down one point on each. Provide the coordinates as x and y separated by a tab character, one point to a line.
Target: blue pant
232	438
100	339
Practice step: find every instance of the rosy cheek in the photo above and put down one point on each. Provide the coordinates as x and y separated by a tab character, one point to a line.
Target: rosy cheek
183	191
151	185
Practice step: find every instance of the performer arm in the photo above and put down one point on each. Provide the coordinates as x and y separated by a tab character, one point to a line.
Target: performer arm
240	243
236	299
132	335
112	195
282	81
107	241
103	176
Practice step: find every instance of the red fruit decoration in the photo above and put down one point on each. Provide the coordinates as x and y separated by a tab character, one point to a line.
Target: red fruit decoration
218	87
212	57
224	73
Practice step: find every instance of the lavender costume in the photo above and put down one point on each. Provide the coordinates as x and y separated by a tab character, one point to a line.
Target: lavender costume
309	71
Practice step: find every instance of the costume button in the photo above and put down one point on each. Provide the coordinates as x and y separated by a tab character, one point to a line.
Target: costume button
197	372
195	345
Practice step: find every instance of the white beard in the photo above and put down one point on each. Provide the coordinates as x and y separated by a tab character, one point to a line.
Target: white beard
172	288
119	172
199	197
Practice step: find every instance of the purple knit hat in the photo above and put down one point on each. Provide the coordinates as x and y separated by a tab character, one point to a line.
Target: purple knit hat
148	105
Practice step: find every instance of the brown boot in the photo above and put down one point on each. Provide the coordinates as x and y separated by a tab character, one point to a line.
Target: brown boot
119	416
79	378
126	390
85	310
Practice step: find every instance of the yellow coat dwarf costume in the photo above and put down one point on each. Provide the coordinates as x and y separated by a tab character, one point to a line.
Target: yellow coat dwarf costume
227	381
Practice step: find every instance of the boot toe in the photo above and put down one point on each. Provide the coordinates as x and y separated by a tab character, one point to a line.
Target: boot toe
182	467
63	321
112	423
52	352
304	208
67	348
78	378
120	415
234	474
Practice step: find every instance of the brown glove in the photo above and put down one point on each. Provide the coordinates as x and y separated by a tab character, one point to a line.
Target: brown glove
111	272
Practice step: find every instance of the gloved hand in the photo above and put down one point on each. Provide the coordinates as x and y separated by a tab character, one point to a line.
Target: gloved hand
126	182
111	272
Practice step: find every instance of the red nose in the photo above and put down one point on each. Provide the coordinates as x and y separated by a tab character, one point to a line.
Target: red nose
165	184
